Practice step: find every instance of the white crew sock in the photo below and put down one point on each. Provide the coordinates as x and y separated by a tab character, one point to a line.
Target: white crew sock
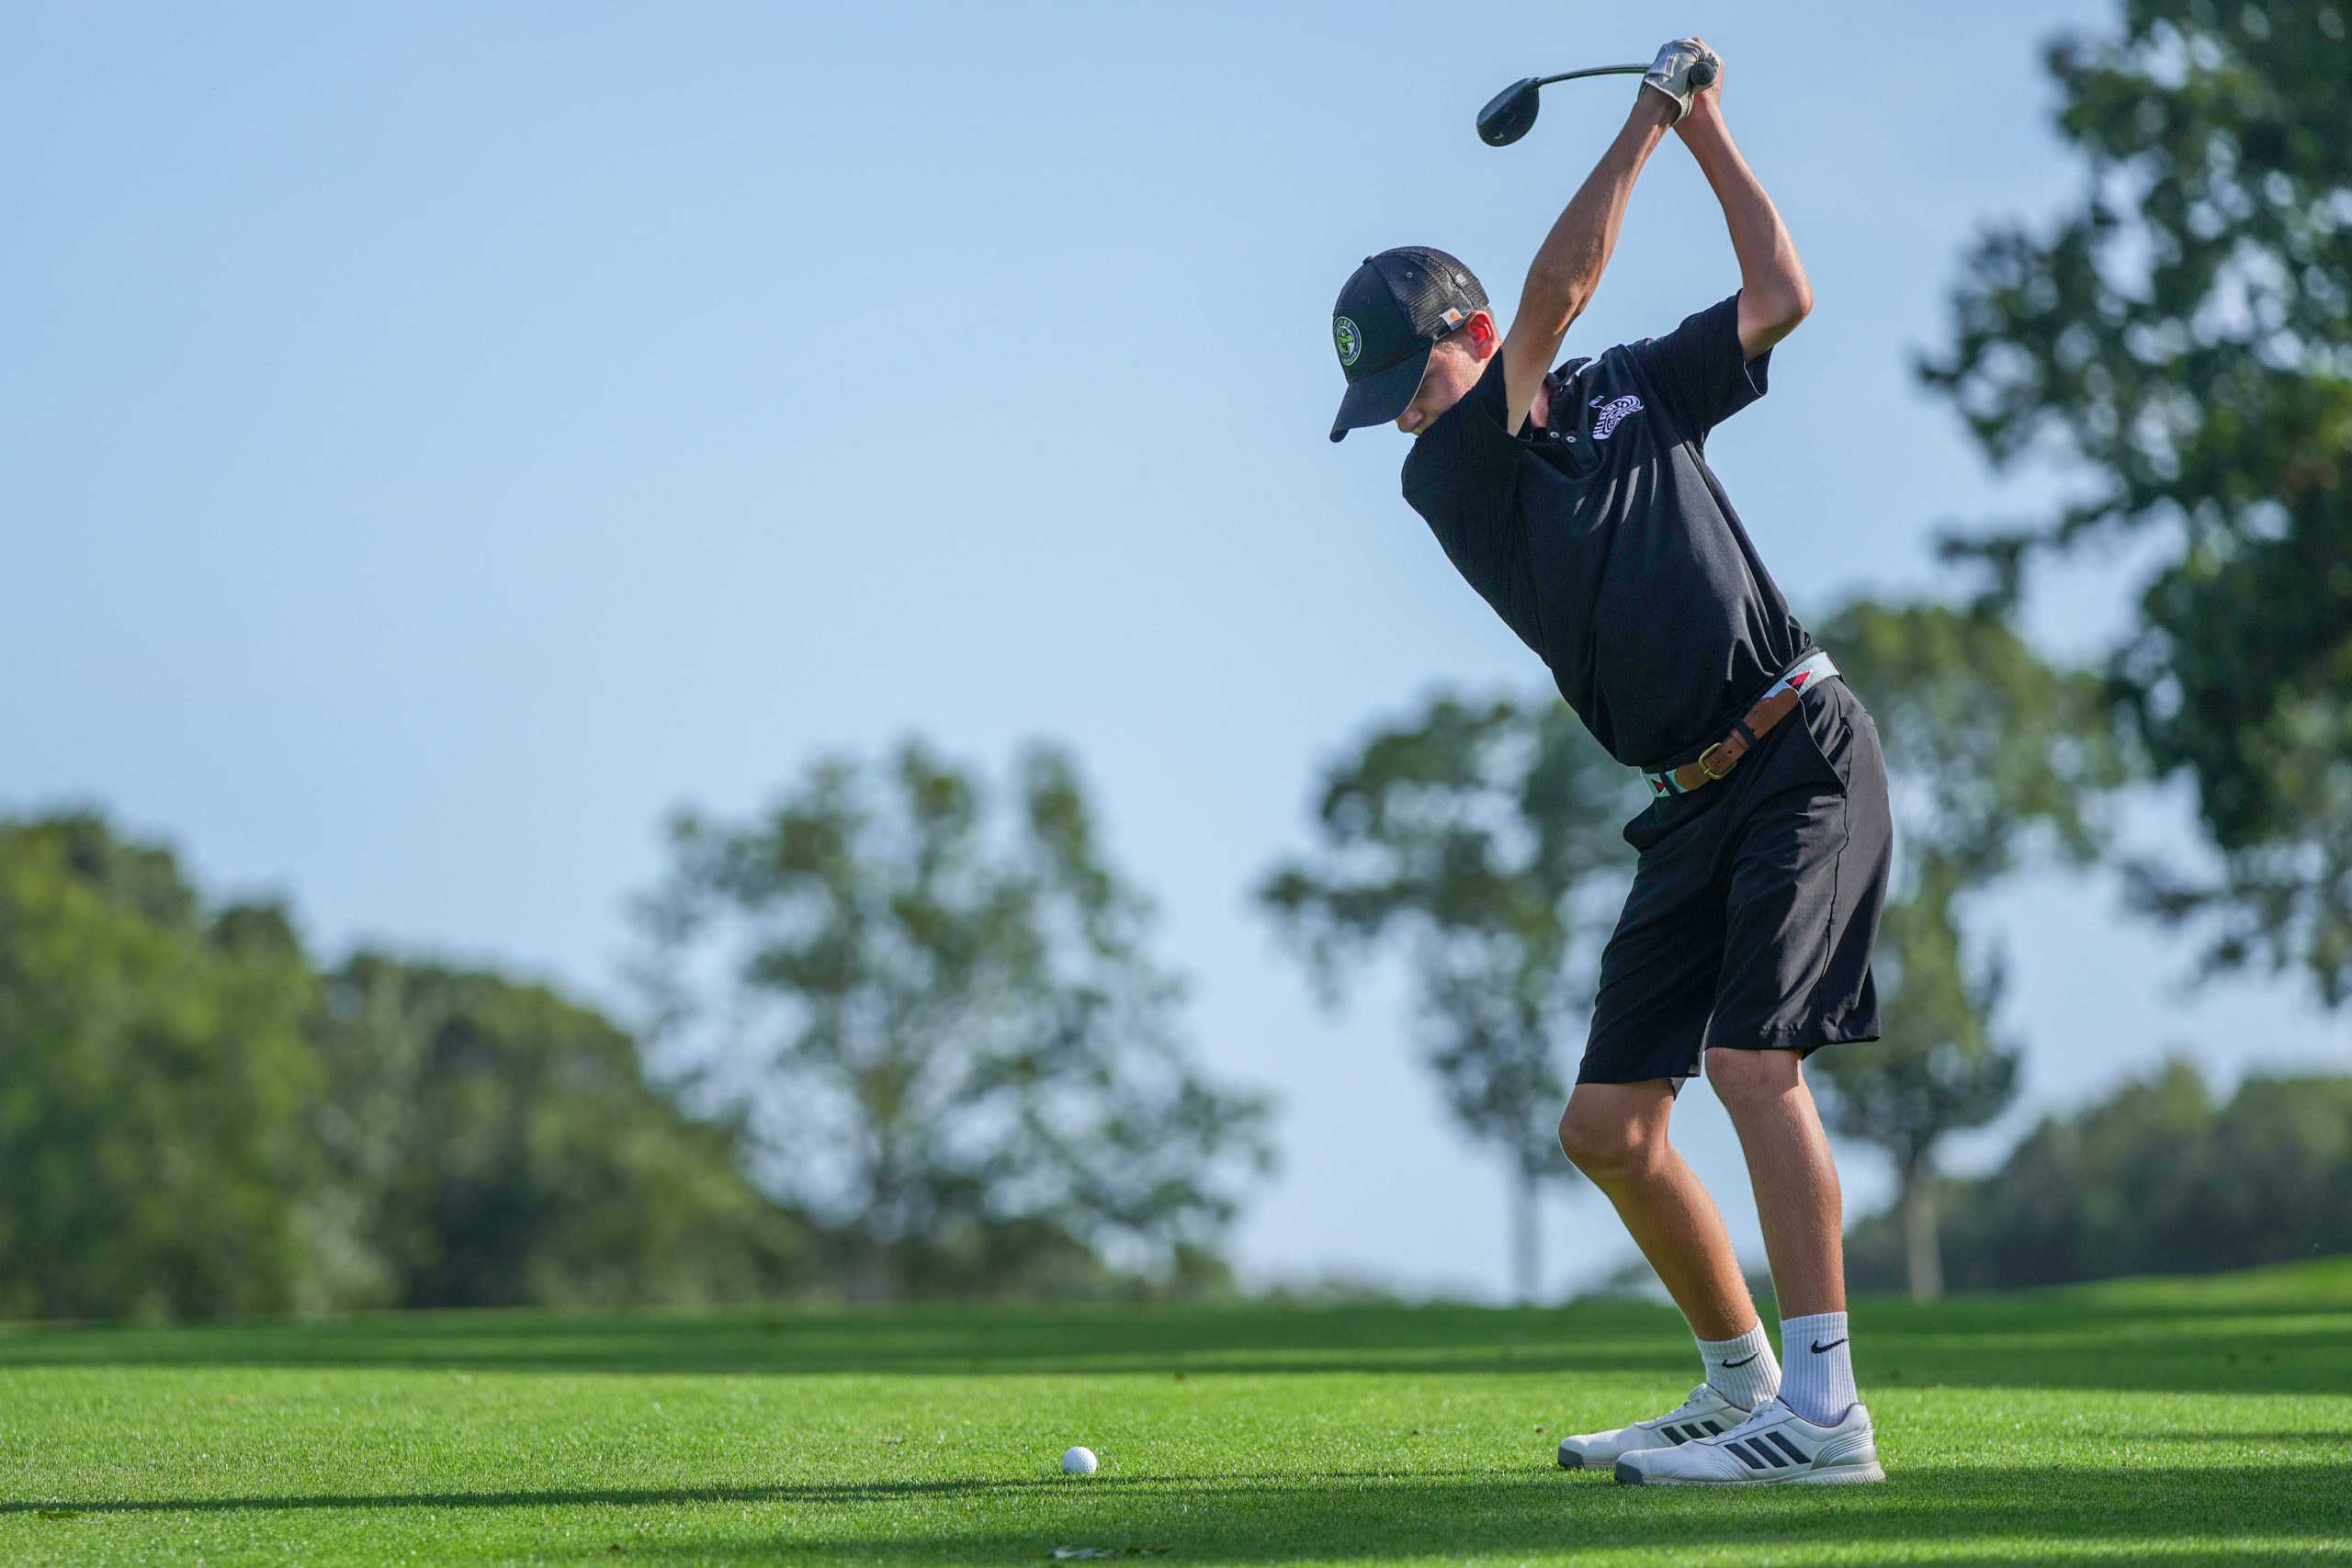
1819	1382
1742	1370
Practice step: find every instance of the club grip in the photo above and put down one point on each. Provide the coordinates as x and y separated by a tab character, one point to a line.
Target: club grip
1702	74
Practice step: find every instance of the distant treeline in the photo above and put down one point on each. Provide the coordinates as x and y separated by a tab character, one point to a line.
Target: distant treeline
2156	1179
197	1121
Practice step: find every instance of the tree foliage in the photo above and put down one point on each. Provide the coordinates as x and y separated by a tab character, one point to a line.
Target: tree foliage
503	1147
1988	749
154	1071
195	1122
2155	1179
1485	839
948	1028
2183	337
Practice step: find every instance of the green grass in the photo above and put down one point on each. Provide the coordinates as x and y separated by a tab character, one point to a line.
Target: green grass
2181	1421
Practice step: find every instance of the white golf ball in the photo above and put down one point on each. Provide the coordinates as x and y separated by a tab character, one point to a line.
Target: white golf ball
1078	1462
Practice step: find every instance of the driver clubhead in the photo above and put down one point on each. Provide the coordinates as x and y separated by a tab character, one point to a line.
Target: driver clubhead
1509	113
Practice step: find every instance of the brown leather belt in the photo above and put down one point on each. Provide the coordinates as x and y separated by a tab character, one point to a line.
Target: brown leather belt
1779	701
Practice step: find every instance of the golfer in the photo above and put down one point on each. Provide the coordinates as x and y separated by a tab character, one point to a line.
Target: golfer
1578	502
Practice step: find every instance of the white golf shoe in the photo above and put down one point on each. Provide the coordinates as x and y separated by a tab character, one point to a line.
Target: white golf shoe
1705	1415
1774	1446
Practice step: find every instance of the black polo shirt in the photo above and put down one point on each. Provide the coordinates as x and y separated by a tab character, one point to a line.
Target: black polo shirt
1607	543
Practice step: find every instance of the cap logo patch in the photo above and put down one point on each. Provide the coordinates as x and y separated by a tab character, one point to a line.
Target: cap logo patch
1349	341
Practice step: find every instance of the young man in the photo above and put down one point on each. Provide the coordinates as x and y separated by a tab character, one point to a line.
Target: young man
1579	503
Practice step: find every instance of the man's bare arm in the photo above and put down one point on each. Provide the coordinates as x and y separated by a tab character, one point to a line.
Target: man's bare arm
1774	293
1566	270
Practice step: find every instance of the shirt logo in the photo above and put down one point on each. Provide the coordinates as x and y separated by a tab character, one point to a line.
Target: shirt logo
1349	341
1613	415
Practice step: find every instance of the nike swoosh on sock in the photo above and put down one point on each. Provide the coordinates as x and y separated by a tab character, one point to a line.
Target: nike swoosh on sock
1743	1361
1821	1350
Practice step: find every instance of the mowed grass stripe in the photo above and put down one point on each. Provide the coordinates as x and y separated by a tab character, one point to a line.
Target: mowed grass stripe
2207	1422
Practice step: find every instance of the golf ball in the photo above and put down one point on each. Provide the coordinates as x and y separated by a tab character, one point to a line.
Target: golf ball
1078	1462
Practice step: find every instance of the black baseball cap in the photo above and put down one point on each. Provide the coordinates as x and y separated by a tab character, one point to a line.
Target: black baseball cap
1390	315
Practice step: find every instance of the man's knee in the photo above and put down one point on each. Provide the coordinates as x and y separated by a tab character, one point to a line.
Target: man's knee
1753	1078
1610	1134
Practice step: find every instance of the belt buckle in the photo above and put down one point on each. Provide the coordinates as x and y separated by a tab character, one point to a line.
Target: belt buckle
1711	772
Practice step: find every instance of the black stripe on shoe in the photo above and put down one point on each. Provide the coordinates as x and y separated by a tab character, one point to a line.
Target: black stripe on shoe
1787	1447
1778	1463
1748	1459
1671	1436
1714	1430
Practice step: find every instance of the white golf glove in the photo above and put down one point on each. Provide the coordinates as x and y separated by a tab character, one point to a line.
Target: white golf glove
1670	73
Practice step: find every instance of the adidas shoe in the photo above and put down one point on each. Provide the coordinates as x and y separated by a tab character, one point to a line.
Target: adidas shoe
1773	1446
1705	1415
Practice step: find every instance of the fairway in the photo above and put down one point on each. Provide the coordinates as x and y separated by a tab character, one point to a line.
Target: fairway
2187	1422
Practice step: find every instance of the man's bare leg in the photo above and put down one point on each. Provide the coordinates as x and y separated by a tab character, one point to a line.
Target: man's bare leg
1797	1199
1788	1164
1616	1134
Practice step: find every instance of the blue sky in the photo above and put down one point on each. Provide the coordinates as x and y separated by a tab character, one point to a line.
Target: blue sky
437	440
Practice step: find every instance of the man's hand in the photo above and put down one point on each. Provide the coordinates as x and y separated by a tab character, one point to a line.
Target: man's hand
1706	103
1683	70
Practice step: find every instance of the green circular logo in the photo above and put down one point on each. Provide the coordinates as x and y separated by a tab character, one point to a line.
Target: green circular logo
1350	342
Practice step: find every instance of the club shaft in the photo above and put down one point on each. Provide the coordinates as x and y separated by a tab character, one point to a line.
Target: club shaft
1593	71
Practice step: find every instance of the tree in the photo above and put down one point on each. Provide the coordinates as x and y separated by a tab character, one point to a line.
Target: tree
1988	748
2182	339
194	1123
2155	1178
949	1032
1936	1069
497	1145
1486	839
153	1075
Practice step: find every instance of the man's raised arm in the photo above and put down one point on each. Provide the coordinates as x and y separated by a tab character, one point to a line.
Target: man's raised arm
1566	270
1774	293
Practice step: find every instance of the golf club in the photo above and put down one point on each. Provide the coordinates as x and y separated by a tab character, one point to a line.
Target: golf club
1509	113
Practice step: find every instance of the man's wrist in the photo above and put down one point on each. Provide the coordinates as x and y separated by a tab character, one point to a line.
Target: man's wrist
1705	119
1653	106
1652	110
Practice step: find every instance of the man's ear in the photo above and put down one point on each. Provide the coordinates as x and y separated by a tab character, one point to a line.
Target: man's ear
1484	337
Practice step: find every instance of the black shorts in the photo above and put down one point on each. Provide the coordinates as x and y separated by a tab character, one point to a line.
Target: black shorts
1752	915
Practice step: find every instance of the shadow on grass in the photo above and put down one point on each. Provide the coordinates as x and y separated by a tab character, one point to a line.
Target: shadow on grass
2217	1513
2105	1338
